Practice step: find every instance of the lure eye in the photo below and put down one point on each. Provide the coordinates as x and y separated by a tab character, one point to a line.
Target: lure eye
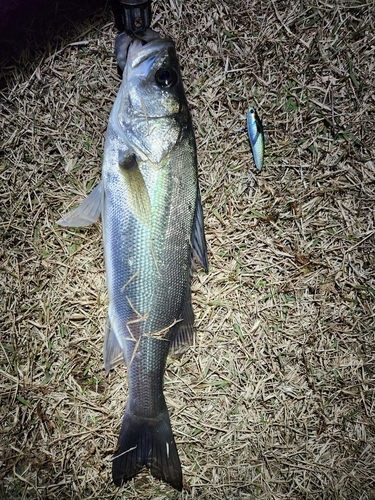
166	77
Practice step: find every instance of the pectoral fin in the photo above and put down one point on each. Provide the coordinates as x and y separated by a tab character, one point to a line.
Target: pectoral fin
87	213
138	196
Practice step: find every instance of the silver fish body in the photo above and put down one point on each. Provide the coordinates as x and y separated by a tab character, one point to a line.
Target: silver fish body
256	136
152	225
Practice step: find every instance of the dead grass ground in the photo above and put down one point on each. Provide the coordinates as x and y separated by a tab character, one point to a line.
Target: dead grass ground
276	399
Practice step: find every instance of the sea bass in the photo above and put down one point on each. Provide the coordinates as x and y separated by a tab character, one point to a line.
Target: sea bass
152	229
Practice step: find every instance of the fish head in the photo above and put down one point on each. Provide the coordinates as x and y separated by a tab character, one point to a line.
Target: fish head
152	78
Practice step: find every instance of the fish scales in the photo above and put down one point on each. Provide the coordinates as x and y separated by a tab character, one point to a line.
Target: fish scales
152	226
150	265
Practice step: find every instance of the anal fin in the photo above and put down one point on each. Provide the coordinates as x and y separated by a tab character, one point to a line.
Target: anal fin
112	353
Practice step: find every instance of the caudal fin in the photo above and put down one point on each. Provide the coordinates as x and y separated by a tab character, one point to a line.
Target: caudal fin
147	443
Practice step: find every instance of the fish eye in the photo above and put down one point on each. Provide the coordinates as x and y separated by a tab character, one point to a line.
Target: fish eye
166	77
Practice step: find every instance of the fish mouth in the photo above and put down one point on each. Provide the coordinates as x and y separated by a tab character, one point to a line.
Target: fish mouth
147	48
134	52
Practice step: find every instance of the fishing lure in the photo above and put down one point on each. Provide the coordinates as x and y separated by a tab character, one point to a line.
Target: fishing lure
256	137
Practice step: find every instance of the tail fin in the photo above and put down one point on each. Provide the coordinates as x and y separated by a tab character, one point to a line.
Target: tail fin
147	442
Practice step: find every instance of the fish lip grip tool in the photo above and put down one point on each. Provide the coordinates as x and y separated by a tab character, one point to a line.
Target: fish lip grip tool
132	16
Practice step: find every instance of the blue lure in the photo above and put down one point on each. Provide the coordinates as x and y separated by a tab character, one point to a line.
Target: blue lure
256	137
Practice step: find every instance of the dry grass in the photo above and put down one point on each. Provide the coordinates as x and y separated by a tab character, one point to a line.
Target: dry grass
276	399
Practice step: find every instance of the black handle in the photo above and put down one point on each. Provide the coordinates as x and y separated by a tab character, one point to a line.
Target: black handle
135	15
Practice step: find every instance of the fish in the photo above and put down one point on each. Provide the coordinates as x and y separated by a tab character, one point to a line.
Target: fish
153	232
256	137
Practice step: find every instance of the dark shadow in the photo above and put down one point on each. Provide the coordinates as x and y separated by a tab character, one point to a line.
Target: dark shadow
29	23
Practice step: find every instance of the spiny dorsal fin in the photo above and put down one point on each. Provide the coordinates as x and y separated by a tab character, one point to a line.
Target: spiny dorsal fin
198	237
